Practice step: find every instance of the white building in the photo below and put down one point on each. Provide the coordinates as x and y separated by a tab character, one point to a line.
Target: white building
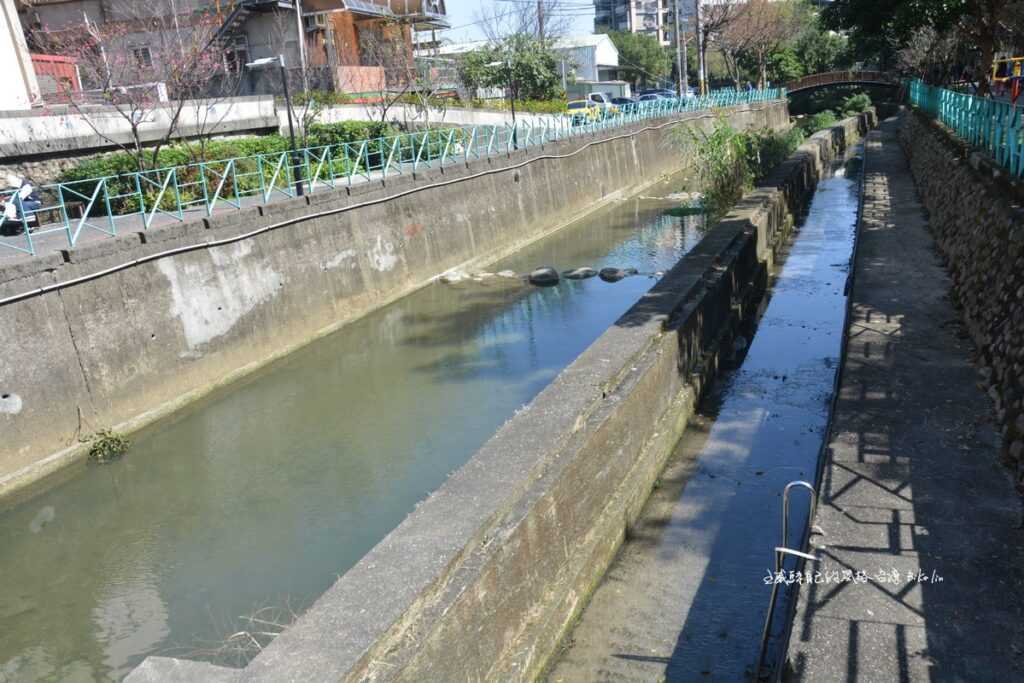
587	58
595	56
18	80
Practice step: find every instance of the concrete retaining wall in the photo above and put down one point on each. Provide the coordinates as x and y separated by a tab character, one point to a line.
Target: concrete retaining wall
484	578
976	217
42	144
131	345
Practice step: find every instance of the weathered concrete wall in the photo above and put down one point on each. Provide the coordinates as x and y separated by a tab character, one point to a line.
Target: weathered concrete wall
121	348
41	144
976	217
484	578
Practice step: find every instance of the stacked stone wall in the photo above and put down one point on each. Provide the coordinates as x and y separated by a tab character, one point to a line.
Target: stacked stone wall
975	214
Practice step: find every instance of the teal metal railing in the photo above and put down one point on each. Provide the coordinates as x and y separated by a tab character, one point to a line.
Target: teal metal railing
135	201
994	125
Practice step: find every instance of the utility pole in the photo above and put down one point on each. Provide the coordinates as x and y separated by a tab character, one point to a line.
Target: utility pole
701	74
540	19
677	33
302	45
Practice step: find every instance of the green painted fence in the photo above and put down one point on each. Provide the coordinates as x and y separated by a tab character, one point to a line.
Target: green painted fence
139	201
994	125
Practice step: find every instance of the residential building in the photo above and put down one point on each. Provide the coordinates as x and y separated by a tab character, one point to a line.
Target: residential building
651	17
345	45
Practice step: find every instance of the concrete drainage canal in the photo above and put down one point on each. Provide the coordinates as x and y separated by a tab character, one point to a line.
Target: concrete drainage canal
226	521
537	402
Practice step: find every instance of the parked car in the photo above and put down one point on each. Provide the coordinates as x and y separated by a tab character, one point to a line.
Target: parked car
622	101
582	112
659	92
604	102
651	97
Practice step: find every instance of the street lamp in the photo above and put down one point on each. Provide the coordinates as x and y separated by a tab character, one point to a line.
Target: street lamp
279	60
511	97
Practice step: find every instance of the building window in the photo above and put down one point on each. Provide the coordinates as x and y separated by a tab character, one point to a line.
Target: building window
143	56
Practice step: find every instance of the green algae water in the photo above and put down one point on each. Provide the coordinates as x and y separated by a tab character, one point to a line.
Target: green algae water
253	501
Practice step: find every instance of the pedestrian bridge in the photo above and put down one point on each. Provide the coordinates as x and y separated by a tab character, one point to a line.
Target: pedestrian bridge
822	80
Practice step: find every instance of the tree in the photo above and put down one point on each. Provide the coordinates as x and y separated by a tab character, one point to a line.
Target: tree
520	63
785	65
883	28
642	60
715	19
384	46
765	25
145	67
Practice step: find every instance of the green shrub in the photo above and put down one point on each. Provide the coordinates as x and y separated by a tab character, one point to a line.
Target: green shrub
120	167
721	164
106	446
767	149
856	104
819	121
322	98
321	134
729	162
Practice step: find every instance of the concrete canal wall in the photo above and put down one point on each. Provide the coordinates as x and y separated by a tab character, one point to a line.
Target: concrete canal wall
975	215
122	348
485	577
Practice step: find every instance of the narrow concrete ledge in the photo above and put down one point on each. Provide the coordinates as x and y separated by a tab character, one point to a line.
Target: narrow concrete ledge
484	578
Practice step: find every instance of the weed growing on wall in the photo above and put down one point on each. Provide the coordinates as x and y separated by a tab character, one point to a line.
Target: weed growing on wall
729	162
106	446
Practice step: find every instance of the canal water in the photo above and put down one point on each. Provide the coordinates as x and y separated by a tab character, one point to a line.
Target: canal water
686	598
253	501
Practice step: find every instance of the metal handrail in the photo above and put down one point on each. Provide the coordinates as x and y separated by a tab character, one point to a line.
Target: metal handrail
204	187
993	125
780	553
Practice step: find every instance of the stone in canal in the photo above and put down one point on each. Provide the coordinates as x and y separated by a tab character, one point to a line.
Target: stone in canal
579	273
616	274
544	277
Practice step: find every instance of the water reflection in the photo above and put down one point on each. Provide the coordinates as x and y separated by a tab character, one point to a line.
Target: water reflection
264	493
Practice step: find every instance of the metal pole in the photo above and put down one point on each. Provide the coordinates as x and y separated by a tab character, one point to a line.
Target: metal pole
512	102
678	34
701	74
302	44
540	19
291	127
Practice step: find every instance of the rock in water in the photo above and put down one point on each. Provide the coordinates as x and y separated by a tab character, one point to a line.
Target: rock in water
511	274
579	273
544	277
616	274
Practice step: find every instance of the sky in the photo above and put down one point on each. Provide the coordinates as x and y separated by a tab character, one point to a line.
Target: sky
463	16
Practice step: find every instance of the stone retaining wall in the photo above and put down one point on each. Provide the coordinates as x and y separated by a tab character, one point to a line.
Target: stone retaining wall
485	577
123	348
976	218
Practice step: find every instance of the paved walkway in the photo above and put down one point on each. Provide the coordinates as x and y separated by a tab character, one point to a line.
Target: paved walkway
912	482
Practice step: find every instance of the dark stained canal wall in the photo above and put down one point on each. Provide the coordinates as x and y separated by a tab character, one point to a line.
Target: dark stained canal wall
484	578
124	348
